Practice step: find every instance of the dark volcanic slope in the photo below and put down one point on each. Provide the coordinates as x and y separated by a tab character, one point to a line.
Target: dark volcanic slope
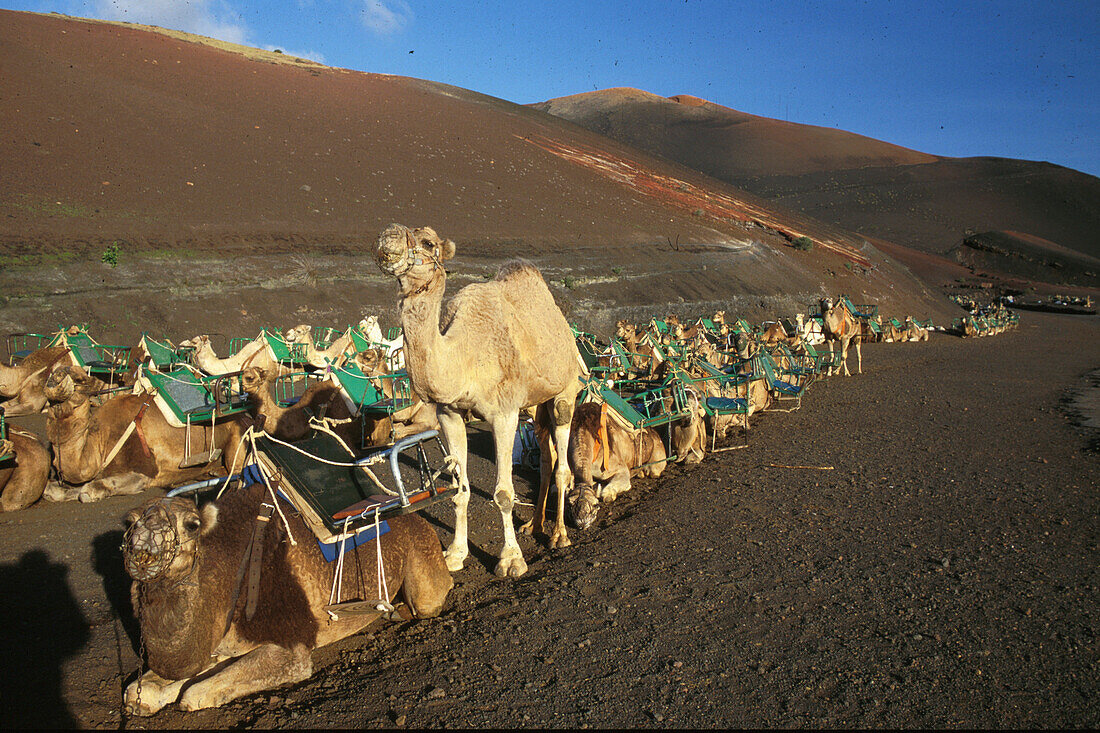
116	131
165	142
865	185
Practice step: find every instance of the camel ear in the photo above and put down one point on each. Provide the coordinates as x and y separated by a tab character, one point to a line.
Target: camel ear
447	250
209	514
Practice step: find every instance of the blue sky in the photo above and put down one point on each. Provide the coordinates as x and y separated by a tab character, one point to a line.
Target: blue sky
1014	79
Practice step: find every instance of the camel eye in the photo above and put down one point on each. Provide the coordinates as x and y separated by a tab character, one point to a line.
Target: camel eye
192	525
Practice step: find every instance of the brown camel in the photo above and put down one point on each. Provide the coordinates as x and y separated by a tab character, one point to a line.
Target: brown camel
23	476
841	326
501	346
418	417
292	423
124	446
603	456
21	386
204	646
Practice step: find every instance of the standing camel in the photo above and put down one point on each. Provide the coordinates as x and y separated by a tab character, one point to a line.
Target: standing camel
839	325
501	346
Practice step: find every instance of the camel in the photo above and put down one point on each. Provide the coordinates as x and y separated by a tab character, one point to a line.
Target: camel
839	325
417	418
810	330
395	349
209	640
21	386
502	346
688	435
124	446
254	353
23	476
320	358
633	342
913	332
603	456
292	423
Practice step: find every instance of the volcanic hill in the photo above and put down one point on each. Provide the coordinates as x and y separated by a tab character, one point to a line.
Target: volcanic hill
922	201
234	179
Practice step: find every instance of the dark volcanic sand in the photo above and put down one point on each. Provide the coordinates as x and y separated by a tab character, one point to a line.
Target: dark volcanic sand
943	574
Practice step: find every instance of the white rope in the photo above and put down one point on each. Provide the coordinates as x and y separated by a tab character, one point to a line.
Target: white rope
383	587
319	425
337	590
274	498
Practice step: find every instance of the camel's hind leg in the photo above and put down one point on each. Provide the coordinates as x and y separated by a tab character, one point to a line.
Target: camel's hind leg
563	418
454	432
859	357
547	456
504	435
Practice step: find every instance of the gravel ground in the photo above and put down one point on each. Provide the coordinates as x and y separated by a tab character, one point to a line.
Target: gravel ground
943	572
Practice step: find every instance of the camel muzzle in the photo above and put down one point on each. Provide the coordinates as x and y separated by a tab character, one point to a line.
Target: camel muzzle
150	545
397	251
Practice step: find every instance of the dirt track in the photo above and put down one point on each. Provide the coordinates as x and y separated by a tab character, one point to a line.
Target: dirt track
944	573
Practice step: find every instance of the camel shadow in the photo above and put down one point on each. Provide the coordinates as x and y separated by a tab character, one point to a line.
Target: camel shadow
43	626
108	564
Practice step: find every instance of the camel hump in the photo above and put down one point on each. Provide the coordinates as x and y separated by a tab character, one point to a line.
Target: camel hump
517	269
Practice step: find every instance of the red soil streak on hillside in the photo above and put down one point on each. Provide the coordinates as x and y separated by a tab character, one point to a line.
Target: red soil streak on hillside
681	194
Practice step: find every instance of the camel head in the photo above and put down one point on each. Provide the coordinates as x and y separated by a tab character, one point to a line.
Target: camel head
66	381
254	379
372	362
298	334
826	305
583	504
745	346
417	253
625	330
162	538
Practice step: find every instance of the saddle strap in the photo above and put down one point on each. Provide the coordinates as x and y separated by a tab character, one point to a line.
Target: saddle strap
256	559
251	562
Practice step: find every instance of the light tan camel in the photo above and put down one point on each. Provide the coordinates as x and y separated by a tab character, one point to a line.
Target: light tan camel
839	325
254	353
335	354
501	346
913	332
207	643
23	477
292	423
21	386
89	458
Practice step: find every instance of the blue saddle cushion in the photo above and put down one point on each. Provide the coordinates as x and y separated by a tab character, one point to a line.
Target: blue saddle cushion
726	404
785	387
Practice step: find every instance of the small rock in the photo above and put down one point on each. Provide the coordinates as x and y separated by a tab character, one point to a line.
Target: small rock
436	692
399	721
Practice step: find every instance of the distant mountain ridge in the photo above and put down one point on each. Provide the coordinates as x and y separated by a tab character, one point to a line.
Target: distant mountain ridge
878	189
720	141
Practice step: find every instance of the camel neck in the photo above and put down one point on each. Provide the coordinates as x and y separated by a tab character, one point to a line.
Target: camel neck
428	358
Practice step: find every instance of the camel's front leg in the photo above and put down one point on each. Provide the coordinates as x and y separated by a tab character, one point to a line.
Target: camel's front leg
149	693
454	433
844	357
832	362
859	357
504	435
262	668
